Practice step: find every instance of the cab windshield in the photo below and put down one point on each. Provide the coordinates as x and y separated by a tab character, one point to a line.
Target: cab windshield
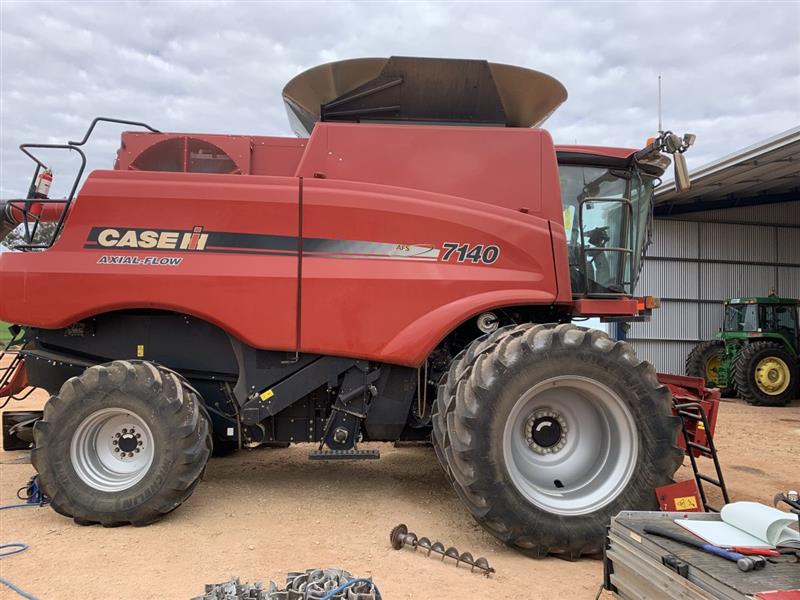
607	223
741	317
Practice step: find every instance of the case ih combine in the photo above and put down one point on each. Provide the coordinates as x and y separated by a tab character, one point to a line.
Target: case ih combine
410	265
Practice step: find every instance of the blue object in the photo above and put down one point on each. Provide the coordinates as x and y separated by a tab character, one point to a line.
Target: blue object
20	547
734	556
22	593
344	586
35	493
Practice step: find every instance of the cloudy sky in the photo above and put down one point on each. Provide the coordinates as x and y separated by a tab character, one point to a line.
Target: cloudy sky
731	70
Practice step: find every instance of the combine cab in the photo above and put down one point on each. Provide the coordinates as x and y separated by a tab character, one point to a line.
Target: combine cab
410	266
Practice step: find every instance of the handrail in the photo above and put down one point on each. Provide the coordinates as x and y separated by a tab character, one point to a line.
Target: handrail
27	215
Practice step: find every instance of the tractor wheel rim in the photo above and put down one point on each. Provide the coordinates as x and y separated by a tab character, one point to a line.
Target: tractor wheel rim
772	375
712	369
112	450
591	460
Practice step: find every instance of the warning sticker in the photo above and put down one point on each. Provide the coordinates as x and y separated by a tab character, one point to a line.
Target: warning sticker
685	503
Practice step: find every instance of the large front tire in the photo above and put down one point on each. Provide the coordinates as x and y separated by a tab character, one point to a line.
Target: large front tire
546	432
124	443
766	374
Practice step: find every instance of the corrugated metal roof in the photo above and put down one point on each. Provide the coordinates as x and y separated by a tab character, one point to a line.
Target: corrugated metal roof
766	169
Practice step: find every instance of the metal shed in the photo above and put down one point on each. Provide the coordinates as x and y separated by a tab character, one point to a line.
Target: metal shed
735	233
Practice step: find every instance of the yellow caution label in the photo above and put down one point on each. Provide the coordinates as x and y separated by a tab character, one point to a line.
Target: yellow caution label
700	425
267	395
140	351
685	503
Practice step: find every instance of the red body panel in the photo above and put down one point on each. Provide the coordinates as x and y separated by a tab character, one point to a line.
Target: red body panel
251	296
351	188
398	310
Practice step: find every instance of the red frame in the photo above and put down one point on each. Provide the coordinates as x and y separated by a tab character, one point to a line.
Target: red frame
387	184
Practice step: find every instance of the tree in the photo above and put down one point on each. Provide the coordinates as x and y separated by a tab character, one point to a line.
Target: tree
44	232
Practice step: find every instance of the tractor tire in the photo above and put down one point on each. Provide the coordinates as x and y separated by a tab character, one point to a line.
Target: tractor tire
132	407
548	431
700	363
766	374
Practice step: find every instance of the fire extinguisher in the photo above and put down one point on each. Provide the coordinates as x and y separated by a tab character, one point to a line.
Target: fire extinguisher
43	183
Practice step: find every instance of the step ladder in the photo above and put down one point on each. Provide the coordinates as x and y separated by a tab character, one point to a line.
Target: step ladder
693	418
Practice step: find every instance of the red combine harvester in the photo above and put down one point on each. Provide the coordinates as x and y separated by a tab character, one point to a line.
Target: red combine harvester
410	264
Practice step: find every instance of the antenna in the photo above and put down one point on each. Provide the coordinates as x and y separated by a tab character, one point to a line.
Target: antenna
660	130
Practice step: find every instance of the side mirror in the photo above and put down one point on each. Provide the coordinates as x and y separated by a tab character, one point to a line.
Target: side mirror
682	181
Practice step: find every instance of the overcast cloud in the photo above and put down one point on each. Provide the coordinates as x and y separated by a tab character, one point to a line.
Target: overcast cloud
731	70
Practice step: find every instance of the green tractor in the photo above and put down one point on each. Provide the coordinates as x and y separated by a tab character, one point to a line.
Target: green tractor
756	353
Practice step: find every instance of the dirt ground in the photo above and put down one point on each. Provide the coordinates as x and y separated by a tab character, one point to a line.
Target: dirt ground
261	513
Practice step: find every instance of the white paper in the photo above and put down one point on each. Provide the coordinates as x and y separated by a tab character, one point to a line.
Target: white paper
747	524
764	522
719	533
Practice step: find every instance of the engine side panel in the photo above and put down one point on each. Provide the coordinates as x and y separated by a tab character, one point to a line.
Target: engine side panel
391	289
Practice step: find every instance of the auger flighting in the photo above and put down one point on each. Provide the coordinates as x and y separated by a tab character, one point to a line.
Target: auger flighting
401	536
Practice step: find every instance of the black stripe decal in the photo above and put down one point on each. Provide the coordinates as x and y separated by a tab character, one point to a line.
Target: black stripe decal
250	243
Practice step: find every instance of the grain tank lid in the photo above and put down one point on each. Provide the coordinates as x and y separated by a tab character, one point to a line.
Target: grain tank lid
417	90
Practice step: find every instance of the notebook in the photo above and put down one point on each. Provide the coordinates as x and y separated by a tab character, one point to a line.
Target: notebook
748	524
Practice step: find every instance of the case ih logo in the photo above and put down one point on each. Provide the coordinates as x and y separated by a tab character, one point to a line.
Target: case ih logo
147	239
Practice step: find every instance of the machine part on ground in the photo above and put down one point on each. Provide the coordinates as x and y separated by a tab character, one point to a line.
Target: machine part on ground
400	536
767	374
353	282
126	442
758	349
705	360
620	443
312	584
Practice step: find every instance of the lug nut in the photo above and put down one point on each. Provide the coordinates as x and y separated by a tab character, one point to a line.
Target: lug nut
124	430
114	442
138	435
116	435
137	450
116	449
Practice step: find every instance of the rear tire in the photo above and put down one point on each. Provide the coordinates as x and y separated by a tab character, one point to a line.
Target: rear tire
701	363
546	432
124	443
767	374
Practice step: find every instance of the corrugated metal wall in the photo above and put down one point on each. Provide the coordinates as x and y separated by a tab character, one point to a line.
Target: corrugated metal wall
699	259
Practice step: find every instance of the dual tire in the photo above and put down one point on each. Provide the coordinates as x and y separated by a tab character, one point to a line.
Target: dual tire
546	432
124	443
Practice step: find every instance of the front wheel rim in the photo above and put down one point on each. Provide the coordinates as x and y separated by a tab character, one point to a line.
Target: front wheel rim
586	449
112	450
772	375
